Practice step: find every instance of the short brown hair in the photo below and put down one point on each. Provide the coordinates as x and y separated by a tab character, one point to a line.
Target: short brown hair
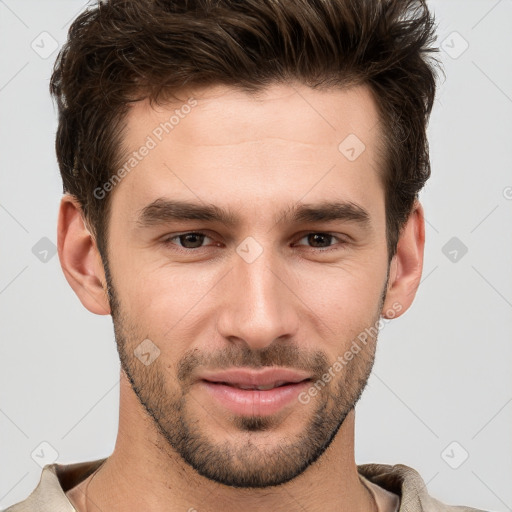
128	50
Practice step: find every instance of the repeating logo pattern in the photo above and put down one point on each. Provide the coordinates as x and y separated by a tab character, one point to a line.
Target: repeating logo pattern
442	372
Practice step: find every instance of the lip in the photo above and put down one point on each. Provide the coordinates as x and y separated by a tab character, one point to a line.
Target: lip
254	402
265	377
249	402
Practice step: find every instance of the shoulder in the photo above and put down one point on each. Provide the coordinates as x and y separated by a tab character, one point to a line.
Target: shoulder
50	493
408	484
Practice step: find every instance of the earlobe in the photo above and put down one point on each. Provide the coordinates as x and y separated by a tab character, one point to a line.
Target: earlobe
80	259
406	265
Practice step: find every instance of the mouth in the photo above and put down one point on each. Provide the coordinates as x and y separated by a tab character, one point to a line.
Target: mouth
252	387
261	379
254	395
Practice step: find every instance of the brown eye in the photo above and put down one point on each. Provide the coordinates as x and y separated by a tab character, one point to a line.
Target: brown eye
192	240
319	240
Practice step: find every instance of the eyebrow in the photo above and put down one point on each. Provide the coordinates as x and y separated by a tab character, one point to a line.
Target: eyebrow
164	210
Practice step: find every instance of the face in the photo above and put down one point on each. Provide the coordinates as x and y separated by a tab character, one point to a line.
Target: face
277	260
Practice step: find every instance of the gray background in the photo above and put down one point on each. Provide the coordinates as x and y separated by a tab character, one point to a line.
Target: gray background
441	390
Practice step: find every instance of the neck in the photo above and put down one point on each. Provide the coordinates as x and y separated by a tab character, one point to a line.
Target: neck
144	473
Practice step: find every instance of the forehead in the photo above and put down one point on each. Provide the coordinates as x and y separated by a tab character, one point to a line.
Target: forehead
223	145
292	111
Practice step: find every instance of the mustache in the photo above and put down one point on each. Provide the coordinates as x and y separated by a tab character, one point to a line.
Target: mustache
277	354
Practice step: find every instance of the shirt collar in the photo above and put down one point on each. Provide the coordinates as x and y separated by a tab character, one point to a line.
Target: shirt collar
57	479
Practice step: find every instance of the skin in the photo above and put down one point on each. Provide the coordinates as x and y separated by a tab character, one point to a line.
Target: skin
295	305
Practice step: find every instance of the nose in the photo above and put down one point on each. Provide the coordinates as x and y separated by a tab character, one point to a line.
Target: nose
260	305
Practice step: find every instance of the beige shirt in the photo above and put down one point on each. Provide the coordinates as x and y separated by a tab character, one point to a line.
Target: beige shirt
396	488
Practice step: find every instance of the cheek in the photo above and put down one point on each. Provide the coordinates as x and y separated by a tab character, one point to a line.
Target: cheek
345	299
165	300
336	300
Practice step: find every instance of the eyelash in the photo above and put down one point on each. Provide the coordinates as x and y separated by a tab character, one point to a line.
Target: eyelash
168	241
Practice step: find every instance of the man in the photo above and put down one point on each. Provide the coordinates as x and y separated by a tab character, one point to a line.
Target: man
241	194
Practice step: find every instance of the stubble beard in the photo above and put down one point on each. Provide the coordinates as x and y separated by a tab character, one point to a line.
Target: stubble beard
241	462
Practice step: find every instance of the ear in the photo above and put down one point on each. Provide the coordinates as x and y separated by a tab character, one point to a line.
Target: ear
406	265
79	257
